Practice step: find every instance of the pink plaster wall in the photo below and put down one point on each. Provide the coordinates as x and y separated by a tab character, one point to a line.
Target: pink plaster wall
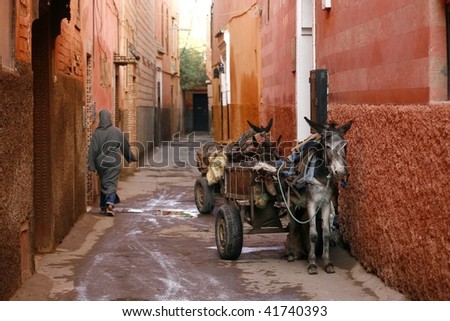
105	22
277	73
387	52
387	71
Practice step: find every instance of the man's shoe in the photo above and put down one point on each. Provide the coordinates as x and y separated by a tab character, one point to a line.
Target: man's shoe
109	210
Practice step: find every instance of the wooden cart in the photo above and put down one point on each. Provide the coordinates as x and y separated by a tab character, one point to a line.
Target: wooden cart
249	208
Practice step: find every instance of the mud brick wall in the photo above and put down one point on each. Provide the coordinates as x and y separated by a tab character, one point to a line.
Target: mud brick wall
16	184
68	158
396	213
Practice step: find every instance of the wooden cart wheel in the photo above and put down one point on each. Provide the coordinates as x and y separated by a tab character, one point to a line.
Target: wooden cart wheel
229	232
204	196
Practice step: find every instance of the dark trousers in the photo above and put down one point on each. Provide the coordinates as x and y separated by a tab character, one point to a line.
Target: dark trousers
112	199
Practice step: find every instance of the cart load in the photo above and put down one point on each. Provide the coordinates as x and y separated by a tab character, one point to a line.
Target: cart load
213	157
262	193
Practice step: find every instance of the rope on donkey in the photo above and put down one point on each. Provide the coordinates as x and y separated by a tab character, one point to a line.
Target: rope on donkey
322	201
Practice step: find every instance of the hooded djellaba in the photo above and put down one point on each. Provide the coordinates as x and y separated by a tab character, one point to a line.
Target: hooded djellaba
104	157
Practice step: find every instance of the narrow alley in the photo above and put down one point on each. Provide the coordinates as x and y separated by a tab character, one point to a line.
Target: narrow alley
371	78
159	248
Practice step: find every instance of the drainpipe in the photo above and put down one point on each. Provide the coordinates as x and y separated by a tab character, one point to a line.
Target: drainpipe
226	38
304	62
227	65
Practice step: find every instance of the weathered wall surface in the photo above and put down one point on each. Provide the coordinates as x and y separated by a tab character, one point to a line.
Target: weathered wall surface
387	71
278	67
188	110
245	66
167	42
16	159
145	133
388	52
262	66
68	161
146	82
396	214
222	12
166	133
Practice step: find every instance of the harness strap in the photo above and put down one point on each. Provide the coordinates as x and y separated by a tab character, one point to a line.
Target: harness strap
322	201
310	168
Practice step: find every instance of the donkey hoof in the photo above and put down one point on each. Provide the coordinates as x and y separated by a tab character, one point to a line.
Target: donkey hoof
291	258
329	268
312	269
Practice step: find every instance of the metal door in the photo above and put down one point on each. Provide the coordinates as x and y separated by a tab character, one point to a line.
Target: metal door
200	110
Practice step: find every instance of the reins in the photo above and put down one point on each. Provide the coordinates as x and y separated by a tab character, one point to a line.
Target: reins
322	201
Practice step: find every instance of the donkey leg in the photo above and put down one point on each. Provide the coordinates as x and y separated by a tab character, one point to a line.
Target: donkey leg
291	245
312	267
329	268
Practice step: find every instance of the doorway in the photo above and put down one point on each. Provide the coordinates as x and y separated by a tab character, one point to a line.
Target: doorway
43	215
200	112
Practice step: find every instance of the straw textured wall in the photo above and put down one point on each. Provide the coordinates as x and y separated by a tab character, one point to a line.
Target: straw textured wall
396	214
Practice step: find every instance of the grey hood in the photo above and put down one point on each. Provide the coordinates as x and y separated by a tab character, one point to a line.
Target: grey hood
104	119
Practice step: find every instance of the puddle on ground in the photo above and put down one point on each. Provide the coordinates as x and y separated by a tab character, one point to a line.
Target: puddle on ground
246	249
180	213
165	212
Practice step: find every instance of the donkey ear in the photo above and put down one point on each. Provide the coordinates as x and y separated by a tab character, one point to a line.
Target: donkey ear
254	127
318	127
344	128
254	141
279	140
269	126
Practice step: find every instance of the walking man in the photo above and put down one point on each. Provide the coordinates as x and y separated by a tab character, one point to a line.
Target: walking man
105	158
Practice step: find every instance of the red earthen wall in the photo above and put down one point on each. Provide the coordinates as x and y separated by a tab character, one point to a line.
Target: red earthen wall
222	12
381	52
387	65
16	159
245	65
396	213
277	72
68	158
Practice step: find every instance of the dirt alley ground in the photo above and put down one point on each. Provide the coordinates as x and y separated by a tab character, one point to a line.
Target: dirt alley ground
158	247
